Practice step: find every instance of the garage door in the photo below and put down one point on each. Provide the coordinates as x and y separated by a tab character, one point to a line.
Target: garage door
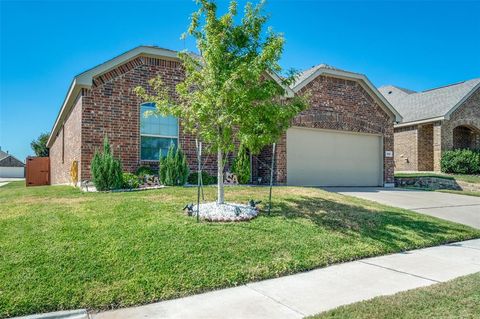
332	158
16	172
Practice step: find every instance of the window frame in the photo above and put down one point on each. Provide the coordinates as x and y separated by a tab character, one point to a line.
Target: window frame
177	137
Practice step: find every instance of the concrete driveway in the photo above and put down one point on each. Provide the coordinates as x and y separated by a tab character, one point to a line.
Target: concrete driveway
457	208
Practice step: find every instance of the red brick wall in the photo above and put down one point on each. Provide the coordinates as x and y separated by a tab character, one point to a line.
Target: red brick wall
111	108
60	169
344	105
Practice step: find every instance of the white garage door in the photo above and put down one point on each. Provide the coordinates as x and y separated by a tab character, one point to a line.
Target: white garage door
332	158
17	172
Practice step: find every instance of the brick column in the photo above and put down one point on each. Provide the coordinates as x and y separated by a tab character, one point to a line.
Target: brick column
437	145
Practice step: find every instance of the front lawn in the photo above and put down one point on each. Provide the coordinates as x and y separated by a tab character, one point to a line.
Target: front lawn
459	177
63	249
459	298
468	178
423	174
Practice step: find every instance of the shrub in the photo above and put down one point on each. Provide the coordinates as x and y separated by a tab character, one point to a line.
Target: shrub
461	162
241	166
207	179
130	180
106	170
144	170
173	167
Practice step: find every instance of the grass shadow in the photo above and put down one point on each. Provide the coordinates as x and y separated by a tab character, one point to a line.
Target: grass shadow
393	227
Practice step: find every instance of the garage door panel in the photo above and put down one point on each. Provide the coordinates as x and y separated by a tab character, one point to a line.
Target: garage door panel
330	158
12	172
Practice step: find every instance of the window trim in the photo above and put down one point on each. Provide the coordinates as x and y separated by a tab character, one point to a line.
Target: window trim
177	137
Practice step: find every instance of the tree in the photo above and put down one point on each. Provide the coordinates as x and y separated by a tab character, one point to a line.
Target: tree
39	146
228	95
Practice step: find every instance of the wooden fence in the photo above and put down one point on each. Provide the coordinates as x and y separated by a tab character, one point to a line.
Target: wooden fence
38	171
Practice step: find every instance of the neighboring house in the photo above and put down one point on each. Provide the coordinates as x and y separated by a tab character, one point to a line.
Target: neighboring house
350	125
434	121
10	166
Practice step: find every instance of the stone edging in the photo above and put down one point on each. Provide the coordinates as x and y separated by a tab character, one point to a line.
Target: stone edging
435	183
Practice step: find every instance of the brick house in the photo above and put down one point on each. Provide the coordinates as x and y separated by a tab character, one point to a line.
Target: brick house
348	119
434	121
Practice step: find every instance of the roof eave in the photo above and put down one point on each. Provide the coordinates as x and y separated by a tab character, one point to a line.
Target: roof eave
288	91
70	98
87	76
424	121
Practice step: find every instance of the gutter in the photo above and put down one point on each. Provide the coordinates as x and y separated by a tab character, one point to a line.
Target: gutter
433	119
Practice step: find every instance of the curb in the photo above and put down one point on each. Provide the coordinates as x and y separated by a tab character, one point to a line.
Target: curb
69	314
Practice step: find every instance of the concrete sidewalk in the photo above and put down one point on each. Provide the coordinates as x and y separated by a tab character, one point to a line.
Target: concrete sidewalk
5	180
315	291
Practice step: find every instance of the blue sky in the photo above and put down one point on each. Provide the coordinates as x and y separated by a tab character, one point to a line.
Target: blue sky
417	45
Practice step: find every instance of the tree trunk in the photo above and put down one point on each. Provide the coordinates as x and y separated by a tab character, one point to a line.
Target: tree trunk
220	191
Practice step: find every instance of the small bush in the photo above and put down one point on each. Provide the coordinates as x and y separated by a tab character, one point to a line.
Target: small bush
207	179
461	162
241	166
130	180
144	170
106	170
173	167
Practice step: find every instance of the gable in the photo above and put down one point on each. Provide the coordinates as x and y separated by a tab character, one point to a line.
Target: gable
310	75
10	161
343	104
468	110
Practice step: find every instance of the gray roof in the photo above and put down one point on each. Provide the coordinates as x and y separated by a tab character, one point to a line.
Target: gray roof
434	103
8	160
3	154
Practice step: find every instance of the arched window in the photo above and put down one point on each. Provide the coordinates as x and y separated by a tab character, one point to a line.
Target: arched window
157	133
465	136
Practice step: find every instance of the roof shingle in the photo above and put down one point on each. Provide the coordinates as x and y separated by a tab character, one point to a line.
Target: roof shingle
417	106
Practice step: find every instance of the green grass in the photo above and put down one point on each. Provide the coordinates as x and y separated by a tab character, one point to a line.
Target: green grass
459	177
468	178
459	298
420	174
63	249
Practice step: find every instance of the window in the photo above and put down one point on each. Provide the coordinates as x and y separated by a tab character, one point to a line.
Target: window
157	133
